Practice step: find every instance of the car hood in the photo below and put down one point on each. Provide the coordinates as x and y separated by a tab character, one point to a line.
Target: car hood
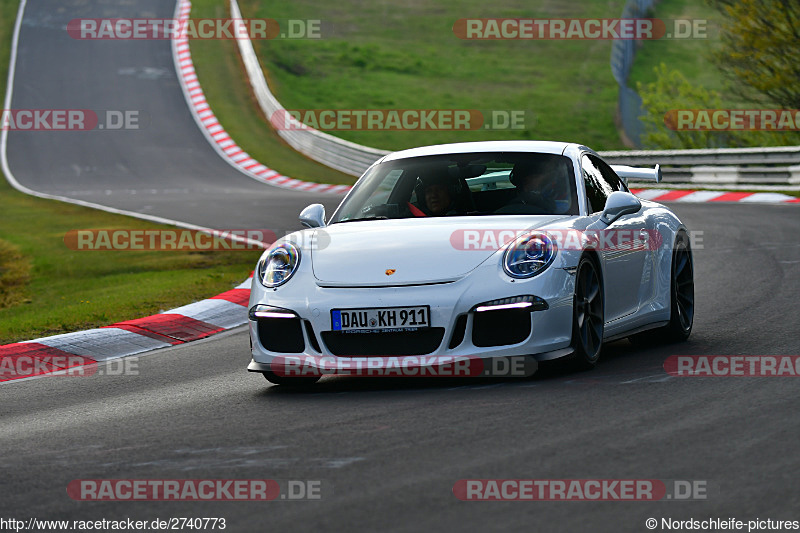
412	251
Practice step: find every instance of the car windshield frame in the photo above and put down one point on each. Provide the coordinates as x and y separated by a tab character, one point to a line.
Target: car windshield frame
474	183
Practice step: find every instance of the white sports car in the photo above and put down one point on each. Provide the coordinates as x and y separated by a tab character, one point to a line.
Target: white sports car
483	250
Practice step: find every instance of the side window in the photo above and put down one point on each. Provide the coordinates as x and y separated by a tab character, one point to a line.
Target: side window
597	190
609	175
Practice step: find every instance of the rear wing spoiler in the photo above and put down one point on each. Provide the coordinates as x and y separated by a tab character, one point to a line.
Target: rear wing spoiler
627	173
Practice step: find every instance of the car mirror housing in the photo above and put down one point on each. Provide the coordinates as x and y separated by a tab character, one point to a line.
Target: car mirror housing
620	203
313	216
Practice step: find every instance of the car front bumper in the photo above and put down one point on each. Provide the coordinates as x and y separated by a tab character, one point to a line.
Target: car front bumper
452	313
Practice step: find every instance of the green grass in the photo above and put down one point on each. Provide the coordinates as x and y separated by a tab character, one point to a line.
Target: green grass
224	81
70	290
46	288
692	57
385	55
8	16
14	274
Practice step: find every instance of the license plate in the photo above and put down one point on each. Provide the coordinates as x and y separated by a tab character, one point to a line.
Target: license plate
381	319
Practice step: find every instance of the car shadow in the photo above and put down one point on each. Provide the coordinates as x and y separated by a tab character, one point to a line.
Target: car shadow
621	362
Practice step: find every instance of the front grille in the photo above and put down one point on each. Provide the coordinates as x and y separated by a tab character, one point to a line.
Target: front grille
282	335
420	342
501	328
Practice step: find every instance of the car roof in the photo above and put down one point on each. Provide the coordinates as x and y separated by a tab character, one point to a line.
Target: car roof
542	147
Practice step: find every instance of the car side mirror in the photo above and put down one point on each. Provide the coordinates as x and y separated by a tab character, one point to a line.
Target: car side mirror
619	203
313	216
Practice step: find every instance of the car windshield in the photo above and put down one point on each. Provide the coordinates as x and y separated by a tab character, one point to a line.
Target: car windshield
506	183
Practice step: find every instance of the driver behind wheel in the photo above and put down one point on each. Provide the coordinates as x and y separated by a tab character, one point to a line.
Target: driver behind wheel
438	194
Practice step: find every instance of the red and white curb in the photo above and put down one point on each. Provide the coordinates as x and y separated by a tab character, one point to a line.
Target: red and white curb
56	354
214	131
694	197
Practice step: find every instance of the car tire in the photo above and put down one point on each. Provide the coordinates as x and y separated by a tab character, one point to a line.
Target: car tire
588	318
287	381
681	292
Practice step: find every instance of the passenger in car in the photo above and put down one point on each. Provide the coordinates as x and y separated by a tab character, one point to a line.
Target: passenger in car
538	184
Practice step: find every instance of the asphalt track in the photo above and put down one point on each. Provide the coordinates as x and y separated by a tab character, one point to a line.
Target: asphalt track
387	451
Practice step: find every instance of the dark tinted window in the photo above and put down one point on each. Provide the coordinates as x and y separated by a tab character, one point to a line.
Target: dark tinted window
609	175
597	189
480	183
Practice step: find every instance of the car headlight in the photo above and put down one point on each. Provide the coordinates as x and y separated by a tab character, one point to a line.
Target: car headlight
278	265
529	255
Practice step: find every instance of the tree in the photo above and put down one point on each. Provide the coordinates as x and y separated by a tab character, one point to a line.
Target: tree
672	91
761	49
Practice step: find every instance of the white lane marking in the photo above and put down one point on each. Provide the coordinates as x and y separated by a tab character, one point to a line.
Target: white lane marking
655	378
18	186
258	461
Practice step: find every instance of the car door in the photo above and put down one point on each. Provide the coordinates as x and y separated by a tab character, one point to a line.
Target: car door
623	246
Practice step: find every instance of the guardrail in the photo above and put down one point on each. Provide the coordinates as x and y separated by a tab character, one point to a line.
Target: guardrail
331	151
770	166
774	166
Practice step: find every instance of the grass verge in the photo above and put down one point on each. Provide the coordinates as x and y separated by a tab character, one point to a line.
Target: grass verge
224	82
46	288
14	274
690	56
405	56
68	290
693	59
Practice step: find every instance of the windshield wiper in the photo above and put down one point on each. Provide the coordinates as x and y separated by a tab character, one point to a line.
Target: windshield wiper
374	217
